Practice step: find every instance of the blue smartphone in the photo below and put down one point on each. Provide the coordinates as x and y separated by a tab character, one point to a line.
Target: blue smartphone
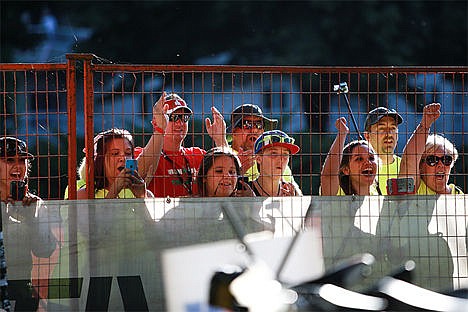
131	164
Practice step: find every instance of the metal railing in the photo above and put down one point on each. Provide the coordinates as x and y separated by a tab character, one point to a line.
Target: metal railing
58	108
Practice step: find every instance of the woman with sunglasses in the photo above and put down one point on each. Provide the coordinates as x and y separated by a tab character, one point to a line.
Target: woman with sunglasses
273	150
350	169
429	164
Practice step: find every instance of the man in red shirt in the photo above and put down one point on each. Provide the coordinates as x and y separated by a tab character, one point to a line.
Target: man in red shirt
178	165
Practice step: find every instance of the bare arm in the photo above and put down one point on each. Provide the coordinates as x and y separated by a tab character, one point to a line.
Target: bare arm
416	145
217	129
329	177
149	158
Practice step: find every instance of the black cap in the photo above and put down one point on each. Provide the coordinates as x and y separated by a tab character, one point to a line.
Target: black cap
250	110
10	146
378	113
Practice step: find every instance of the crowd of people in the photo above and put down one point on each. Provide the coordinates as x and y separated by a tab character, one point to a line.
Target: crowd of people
252	156
365	167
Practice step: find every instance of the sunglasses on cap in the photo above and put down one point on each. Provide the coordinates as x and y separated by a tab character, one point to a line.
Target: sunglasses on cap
270	139
177	117
249	124
433	160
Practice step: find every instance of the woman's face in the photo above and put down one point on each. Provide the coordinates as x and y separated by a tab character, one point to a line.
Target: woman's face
362	166
436	176
12	168
117	151
221	179
273	161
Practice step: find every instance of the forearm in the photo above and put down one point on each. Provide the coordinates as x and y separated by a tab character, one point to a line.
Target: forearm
149	158
413	151
329	176
220	140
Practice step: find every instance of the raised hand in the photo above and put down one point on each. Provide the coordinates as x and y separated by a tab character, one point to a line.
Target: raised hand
160	118
217	129
431	113
342	126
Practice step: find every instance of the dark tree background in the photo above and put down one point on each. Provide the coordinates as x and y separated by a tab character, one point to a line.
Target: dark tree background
253	32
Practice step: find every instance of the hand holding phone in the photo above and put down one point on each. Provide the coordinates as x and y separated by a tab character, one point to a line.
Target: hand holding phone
240	185
400	186
17	190
131	164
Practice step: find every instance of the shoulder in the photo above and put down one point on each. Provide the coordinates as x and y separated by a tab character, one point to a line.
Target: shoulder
193	151
455	189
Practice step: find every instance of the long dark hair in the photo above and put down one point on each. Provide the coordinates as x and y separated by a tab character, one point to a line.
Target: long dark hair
100	147
345	182
207	163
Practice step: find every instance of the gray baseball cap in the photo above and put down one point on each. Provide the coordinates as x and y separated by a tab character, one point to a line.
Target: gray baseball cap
378	113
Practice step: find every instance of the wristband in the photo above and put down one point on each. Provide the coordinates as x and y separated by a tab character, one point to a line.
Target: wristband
158	129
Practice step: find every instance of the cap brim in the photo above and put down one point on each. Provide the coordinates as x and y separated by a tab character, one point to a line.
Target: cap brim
187	109
395	115
268	124
293	148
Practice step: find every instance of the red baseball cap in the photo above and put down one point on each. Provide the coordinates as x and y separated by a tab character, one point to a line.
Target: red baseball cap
175	103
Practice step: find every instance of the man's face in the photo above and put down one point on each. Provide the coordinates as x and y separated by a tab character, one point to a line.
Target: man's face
177	126
383	136
245	135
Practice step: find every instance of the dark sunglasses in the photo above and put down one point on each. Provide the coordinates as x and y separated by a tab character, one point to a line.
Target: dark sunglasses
432	160
177	117
249	124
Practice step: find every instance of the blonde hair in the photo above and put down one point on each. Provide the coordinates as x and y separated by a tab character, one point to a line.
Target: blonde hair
435	141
